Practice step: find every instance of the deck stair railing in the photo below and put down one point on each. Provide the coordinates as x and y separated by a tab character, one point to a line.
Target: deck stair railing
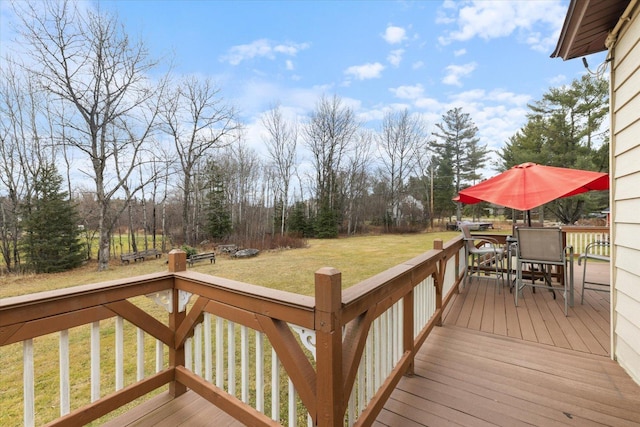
266	357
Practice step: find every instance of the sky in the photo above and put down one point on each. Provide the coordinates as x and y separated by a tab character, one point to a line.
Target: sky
490	58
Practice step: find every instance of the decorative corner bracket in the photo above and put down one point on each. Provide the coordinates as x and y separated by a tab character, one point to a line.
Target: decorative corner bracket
307	337
183	300
163	299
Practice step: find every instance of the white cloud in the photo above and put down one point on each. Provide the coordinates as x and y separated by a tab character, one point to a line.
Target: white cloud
408	92
495	19
558	80
289	64
417	65
455	72
394	35
430	104
365	71
459	52
395	57
261	48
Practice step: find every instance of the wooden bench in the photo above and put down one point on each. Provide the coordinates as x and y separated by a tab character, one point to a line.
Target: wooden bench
128	257
211	256
140	255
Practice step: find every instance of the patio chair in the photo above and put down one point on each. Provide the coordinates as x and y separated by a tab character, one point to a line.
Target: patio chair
598	250
486	256
543	246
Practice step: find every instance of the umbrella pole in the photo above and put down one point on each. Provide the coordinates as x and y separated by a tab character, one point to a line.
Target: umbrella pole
528	213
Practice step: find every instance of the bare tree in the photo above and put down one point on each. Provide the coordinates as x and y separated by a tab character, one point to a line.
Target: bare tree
402	138
328	134
87	61
198	120
24	150
281	146
356	177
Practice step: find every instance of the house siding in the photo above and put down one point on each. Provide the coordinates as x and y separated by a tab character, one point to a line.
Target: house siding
625	197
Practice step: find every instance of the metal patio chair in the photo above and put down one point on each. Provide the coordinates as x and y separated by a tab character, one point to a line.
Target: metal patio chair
544	247
598	250
486	254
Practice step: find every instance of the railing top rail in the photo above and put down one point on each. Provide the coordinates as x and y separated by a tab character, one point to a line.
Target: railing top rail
242	288
283	305
582	228
50	303
394	282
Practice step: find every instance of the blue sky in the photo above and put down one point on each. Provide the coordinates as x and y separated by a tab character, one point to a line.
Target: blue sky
489	57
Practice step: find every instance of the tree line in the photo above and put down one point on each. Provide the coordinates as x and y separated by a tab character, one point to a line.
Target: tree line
121	145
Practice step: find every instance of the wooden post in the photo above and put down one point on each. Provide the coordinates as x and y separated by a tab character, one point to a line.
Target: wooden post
177	263
177	260
328	325
438	244
407	333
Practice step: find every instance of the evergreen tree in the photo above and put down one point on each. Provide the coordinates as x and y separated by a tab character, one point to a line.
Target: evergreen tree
564	130
298	221
458	155
51	237
326	224
218	216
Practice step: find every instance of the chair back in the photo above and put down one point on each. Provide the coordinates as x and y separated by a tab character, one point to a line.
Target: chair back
540	244
468	238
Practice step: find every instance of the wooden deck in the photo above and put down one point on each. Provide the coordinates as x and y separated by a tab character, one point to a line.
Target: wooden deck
491	363
538	317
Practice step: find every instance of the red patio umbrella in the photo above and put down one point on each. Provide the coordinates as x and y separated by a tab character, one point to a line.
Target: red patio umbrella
530	185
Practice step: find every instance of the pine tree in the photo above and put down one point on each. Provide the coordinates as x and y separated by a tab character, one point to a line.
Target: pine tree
218	216
50	239
564	130
458	155
299	223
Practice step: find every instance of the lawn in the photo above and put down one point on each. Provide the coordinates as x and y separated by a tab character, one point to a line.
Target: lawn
357	258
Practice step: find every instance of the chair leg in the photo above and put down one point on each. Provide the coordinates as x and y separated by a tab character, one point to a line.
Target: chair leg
584	277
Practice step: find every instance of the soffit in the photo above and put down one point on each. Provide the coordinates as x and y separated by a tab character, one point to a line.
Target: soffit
586	26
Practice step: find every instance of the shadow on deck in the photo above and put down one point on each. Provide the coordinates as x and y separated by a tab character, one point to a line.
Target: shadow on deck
491	363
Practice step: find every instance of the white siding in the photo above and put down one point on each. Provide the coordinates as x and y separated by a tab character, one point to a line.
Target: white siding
625	197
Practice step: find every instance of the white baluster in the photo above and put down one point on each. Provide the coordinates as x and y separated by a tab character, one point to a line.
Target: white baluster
197	349
119	353
231	358
208	374
64	372
219	352
378	354
275	386
28	386
244	363
292	405
369	365
95	361
259	371
140	354
188	354
159	356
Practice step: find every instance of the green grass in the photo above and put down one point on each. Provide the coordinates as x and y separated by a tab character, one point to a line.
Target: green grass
357	258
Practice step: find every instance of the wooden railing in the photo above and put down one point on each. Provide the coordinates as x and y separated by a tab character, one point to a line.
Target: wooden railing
580	237
576	236
264	356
